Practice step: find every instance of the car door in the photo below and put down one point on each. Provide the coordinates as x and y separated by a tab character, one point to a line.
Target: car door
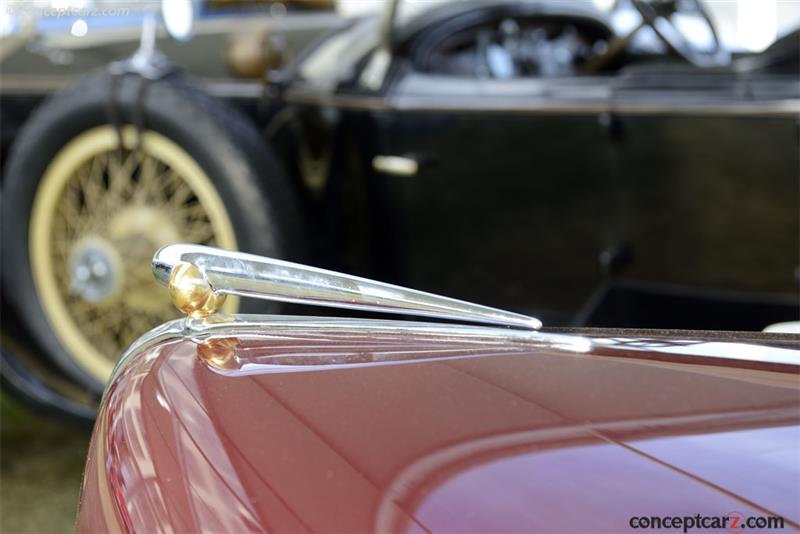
511	200
683	184
711	175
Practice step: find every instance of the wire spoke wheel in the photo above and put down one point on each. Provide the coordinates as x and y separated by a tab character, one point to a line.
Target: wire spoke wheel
101	211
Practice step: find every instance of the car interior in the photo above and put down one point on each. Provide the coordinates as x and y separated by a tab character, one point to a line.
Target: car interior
510	42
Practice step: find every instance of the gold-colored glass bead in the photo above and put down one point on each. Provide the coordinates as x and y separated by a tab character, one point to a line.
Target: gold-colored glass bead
191	293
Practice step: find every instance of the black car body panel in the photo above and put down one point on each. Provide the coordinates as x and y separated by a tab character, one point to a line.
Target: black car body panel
646	179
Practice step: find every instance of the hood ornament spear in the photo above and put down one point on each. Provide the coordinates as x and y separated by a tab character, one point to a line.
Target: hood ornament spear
199	278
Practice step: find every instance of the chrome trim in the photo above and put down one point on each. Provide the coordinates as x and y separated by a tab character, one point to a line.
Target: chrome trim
708	355
395	165
247	275
712	351
277	325
783	107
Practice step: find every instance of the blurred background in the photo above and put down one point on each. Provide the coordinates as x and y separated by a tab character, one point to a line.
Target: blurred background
594	163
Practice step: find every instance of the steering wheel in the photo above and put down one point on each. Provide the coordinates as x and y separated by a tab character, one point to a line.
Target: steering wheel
658	15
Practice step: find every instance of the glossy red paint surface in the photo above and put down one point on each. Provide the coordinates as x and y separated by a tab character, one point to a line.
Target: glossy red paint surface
318	432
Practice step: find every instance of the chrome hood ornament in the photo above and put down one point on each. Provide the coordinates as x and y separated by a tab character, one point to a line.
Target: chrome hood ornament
199	278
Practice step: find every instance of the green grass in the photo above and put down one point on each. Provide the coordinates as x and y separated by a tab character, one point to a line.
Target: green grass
41	464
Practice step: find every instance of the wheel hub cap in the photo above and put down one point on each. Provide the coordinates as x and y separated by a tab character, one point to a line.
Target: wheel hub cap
94	270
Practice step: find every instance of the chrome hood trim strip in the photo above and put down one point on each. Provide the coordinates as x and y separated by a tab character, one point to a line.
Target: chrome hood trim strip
244	325
702	353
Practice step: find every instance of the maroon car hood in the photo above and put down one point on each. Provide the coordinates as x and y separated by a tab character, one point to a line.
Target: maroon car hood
322	432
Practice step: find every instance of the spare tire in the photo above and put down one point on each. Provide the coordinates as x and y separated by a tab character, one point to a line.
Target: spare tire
89	200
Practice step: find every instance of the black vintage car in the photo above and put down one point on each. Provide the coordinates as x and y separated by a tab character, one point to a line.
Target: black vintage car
520	154
611	185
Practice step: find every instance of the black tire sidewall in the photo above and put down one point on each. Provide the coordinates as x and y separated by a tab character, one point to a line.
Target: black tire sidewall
221	141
